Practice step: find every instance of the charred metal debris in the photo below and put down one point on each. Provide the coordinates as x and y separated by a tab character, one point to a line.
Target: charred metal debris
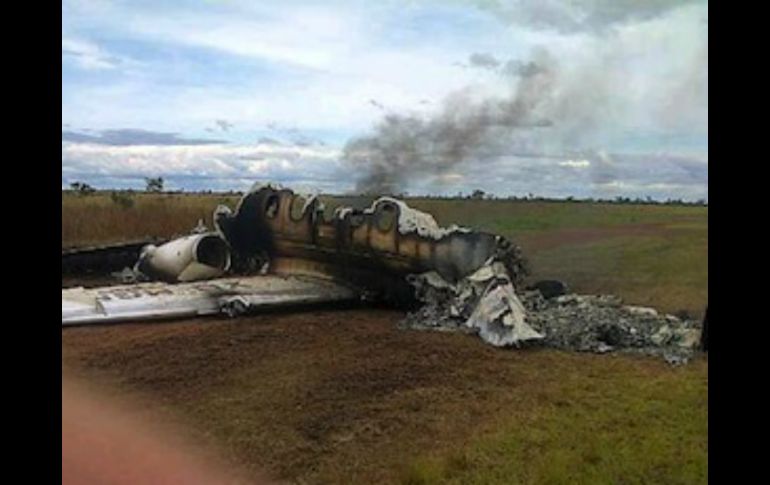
279	248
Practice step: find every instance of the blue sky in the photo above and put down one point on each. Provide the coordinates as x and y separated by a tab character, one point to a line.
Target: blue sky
222	94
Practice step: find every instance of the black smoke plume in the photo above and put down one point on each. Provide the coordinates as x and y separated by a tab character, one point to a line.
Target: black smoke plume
407	146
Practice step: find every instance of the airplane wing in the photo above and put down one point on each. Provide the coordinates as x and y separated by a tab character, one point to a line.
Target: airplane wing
231	296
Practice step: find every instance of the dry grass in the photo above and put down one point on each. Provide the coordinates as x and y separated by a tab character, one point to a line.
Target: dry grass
95	219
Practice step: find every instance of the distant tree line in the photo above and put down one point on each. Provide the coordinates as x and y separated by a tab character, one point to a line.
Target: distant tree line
481	195
156	185
152	185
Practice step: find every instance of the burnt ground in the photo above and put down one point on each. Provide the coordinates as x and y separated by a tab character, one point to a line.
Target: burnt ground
339	396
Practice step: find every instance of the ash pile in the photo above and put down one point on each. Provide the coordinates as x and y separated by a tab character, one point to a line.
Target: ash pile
488	304
602	323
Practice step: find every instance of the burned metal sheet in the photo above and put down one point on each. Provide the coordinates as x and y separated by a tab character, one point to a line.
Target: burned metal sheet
485	302
231	296
375	248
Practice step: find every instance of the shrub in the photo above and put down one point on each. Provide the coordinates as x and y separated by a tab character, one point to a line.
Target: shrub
122	199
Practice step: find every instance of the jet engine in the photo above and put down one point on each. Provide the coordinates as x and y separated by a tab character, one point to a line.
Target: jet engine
190	258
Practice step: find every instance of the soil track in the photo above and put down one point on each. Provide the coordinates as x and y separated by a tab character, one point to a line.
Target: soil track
337	396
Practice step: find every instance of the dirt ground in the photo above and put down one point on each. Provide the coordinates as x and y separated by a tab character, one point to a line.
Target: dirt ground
331	396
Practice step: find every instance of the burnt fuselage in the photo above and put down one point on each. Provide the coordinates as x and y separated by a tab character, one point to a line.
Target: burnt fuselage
369	248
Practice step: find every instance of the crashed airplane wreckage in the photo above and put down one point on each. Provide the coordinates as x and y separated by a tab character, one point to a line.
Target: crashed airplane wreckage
278	250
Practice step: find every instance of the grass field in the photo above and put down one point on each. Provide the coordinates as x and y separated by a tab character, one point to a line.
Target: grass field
345	396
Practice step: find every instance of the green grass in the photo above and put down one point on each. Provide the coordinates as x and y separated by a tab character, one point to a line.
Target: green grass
619	428
670	273
513	217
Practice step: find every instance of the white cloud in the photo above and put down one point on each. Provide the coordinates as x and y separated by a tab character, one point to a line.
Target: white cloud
87	55
575	163
336	57
313	37
450	178
205	164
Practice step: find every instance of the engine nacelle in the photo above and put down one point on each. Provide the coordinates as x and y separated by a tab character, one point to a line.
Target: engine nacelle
189	258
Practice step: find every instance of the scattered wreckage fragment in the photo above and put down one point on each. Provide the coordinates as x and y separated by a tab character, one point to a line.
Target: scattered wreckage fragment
601	323
484	302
